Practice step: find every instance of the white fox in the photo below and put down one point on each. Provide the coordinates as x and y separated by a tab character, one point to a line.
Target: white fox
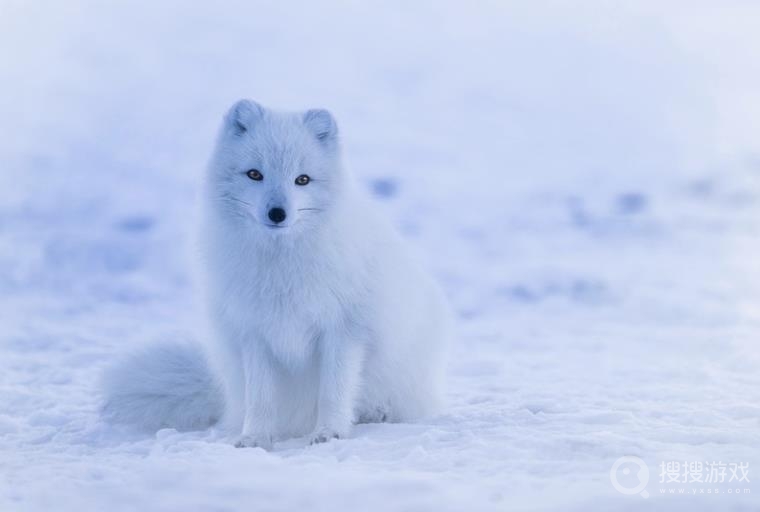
320	318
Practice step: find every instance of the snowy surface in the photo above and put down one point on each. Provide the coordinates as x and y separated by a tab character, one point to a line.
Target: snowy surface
583	178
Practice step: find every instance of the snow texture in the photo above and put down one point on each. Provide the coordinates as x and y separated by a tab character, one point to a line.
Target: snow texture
582	177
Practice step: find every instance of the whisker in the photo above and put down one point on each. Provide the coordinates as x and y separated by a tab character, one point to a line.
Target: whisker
230	198
310	209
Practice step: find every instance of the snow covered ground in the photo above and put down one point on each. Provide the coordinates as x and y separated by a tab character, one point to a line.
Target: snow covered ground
583	177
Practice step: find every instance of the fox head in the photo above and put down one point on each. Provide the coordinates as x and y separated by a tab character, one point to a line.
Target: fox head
278	172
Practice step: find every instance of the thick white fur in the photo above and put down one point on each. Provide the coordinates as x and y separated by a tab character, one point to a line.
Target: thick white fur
318	324
165	385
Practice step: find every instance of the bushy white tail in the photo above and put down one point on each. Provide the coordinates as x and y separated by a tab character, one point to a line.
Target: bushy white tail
168	385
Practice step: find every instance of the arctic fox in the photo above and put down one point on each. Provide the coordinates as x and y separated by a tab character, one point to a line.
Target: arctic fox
320	318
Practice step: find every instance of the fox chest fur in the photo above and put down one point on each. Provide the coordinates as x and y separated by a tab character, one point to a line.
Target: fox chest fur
287	300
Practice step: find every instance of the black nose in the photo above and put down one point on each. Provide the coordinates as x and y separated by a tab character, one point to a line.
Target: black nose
277	215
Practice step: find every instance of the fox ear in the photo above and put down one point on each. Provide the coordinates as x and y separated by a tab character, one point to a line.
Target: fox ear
322	124
242	116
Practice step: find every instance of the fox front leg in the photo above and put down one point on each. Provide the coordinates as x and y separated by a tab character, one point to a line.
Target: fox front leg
340	367
260	411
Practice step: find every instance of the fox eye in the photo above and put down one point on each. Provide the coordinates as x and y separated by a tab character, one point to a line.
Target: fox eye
302	180
255	175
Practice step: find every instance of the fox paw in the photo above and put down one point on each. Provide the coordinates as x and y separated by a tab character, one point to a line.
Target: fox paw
323	435
376	415
254	441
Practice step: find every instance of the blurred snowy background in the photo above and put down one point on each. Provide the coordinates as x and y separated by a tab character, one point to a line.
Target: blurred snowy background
583	178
